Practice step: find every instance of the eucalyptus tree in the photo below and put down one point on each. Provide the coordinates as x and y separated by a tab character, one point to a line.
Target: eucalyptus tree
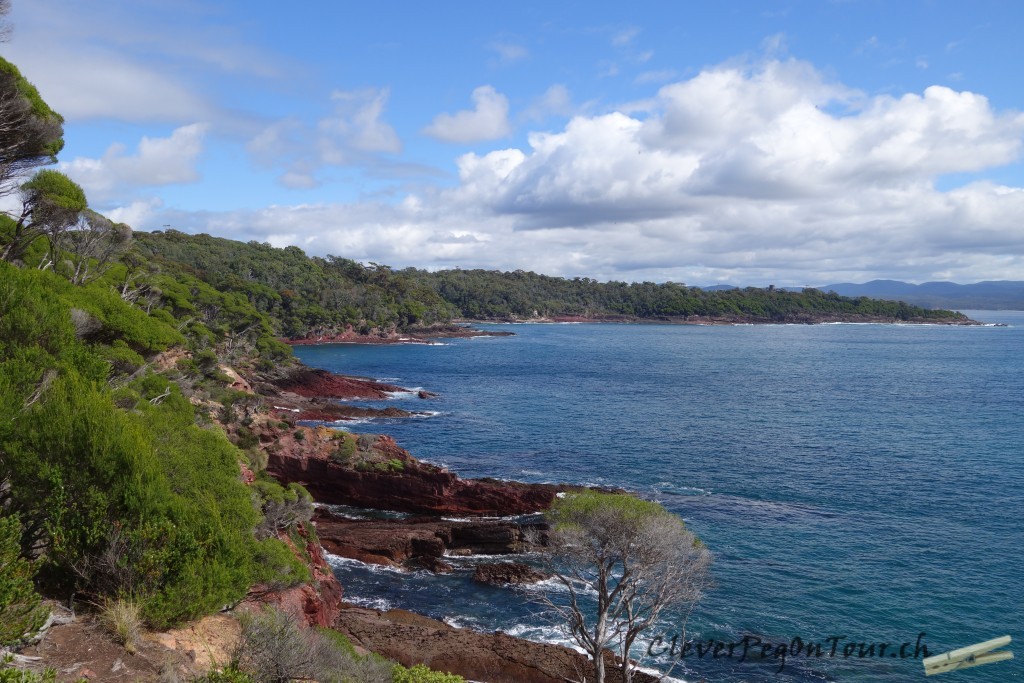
622	562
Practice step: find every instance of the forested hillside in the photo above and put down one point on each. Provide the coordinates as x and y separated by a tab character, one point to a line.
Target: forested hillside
311	296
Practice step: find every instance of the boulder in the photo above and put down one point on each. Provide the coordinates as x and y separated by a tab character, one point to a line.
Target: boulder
505	573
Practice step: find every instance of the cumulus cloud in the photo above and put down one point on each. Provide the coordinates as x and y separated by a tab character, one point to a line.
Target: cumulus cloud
488	120
354	132
749	174
139	214
156	161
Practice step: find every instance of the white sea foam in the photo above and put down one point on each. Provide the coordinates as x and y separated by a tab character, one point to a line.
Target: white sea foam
338	562
669	487
380	604
411	392
509	518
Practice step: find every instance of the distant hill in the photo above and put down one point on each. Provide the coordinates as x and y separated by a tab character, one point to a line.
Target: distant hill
990	295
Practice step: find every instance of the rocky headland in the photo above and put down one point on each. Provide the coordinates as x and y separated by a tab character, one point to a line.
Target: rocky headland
443	515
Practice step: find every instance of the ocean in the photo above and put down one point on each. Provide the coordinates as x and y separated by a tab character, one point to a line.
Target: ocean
857	484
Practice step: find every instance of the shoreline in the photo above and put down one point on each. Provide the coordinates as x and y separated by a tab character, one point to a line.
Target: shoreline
425	336
445	515
735	320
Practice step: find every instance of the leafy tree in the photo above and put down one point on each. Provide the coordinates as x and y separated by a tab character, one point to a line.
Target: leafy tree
31	134
51	205
623	562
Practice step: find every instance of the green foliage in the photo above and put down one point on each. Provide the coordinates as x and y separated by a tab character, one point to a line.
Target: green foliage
346	448
229	674
39	107
575	506
422	674
57	190
9	674
20	610
33	134
277	566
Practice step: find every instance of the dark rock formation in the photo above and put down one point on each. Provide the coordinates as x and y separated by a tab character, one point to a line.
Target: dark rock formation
306	381
417	487
393	542
505	573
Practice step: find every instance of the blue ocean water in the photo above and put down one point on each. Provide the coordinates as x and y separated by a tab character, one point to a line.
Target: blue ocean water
864	481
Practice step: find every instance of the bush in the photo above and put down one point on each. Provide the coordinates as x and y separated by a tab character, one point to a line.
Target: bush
8	674
346	449
275	647
20	611
229	674
422	674
277	566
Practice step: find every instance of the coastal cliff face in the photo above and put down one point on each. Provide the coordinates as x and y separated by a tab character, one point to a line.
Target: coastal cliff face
318	602
417	487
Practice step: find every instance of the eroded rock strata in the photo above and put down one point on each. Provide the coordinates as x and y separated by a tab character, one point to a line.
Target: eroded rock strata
412	487
424	541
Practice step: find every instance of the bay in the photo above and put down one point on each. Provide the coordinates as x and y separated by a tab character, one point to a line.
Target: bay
862	481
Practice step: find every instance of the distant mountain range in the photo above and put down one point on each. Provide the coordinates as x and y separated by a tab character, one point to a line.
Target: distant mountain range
990	295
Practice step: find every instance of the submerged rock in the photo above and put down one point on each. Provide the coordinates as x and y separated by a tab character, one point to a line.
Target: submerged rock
505	573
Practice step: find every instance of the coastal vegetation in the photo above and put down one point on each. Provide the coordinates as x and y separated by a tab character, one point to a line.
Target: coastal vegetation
320	297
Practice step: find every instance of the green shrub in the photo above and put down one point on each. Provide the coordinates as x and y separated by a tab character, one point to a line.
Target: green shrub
300	435
423	674
245	439
277	566
346	448
20	610
229	674
123	360
8	674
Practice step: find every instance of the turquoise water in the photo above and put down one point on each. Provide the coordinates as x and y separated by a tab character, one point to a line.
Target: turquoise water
853	480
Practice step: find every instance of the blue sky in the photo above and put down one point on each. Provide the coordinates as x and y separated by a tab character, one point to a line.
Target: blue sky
743	142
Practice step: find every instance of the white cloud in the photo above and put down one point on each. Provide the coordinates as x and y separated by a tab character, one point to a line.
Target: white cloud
488	120
753	175
138	214
156	161
111	62
556	101
94	83
357	121
353	133
508	53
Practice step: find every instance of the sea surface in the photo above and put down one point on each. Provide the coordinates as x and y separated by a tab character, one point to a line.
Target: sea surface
854	481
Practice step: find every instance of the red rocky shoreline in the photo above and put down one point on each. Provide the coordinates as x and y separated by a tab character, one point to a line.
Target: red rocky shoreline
385	476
